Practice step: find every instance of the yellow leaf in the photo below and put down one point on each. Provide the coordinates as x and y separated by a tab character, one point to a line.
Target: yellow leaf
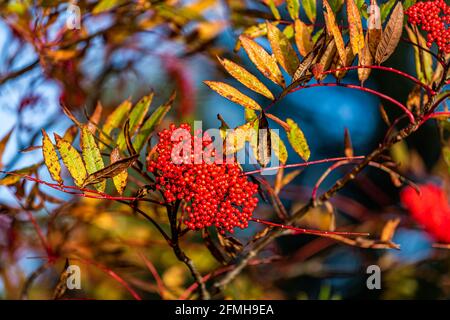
333	29
303	37
61	55
3	143
246	78
355	26
297	140
120	180
263	61
278	147
282	49
91	155
51	158
72	160
364	59
293	7
233	94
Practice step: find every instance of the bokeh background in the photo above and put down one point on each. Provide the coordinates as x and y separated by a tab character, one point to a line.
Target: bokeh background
132	52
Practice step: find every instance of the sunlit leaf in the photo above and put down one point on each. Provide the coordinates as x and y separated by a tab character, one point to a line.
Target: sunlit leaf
105	5
151	123
246	78
278	147
293	7
355	27
374	28
282	49
91	155
423	59
297	140
263	61
310	7
51	159
120	180
364	59
72	160
303	37
391	35
94	119
264	144
16	175
116	118
348	148
333	29
137	115
325	61
233	94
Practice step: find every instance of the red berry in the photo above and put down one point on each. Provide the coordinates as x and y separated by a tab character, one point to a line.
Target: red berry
211	193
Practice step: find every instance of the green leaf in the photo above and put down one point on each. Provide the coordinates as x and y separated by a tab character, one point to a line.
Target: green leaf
233	94
274	9
51	159
293	7
115	119
136	117
246	78
408	3
282	49
385	9
72	160
120	180
297	140
151	123
310	9
91	155
263	61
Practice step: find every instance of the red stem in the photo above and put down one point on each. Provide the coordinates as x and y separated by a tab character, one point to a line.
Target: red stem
308	231
112	274
435	115
151	267
304	164
388	69
352	86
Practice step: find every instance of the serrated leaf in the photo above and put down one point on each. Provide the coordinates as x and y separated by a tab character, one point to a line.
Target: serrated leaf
278	147
3	143
116	118
111	171
355	27
282	49
137	115
293	7
297	140
391	35
263	61
91	155
51	159
151	123
72	160
333	30
236	139
246	78
94	119
310	7
303	38
338	64
325	61
120	180
364	59
233	94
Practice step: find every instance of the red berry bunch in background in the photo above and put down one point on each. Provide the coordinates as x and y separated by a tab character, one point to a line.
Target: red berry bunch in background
434	17
212	194
430	209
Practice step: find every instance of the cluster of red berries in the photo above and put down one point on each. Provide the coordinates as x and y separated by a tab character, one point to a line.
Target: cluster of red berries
430	209
434	16
212	194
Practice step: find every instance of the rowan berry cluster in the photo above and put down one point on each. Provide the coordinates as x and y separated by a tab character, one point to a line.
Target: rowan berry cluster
212	194
434	18
431	209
